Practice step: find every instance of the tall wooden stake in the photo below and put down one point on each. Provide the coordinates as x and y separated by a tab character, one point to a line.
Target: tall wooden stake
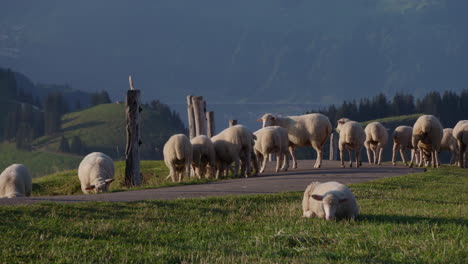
191	117
132	152
211	123
333	146
199	113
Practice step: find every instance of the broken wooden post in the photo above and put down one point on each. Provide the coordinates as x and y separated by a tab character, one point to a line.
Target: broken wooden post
333	146
232	122
199	114
211	123
132	152
191	117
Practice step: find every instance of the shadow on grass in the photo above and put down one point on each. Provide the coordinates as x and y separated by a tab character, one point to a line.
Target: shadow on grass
403	219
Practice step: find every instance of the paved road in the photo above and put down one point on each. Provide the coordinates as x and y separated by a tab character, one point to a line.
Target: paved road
270	182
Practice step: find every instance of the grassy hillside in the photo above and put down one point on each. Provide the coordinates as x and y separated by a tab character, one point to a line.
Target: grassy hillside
418	218
39	163
395	121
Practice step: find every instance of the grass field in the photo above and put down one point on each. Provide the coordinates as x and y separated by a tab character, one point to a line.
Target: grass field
418	218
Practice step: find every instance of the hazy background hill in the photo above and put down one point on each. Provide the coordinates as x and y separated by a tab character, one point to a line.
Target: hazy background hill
287	51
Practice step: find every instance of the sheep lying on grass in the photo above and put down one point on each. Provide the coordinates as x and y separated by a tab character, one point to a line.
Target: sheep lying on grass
15	181
427	135
376	139
449	143
178	155
402	140
96	172
305	130
272	139
204	156
352	137
329	200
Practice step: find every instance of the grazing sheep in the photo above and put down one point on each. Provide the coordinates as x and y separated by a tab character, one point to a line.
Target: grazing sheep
204	156
329	200
178	157
449	143
305	130
272	139
96	172
234	145
402	140
427	135
376	139
352	137
460	133
15	181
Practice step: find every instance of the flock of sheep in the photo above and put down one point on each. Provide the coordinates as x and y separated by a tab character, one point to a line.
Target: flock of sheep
245	153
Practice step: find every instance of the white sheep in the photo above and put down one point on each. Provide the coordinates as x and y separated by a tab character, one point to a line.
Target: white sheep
402	140
449	143
15	181
305	130
234	145
96	172
352	137
178	156
204	156
427	135
329	200
460	133
376	139
272	140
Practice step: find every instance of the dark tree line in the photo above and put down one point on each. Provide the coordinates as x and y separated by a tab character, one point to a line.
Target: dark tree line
448	106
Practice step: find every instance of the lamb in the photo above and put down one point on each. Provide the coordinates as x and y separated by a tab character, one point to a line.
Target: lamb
234	145
15	181
427	135
204	156
305	130
352	137
460	133
376	139
96	172
272	139
329	200
402	140
178	155
449	143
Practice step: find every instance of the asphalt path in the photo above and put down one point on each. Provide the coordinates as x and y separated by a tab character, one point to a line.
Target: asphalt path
269	182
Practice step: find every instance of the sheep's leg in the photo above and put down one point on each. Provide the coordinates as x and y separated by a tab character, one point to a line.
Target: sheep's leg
421	158
291	150
403	158
380	151
285	161
236	168
395	149
462	148
358	157
279	159
350	158
264	162
413	156
318	162
368	149
172	174
341	155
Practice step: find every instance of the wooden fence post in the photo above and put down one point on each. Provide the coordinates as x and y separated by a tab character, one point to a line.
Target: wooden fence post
199	113
132	152
333	146
232	122
211	123
191	117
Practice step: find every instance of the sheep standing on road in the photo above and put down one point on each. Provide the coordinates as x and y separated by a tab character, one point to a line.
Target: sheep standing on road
402	140
305	130
272	139
352	137
234	145
15	181
178	157
329	200
460	133
204	156
449	143
96	172
376	139
427	135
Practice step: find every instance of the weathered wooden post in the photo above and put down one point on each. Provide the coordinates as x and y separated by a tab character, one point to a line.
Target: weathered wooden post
211	123
232	122
333	146
191	117
199	113
132	152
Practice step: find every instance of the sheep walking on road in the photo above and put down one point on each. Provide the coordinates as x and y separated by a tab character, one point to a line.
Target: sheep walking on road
402	141
15	181
305	130
352	137
272	140
329	200
449	143
460	133
204	156
96	172
427	135
376	139
178	157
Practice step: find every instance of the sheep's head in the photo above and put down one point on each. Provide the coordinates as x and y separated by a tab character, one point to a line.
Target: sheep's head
268	120
329	204
101	186
340	123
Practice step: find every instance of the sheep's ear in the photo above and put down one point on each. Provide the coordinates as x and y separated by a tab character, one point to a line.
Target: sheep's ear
341	122
317	197
108	181
89	188
343	200
273	118
260	120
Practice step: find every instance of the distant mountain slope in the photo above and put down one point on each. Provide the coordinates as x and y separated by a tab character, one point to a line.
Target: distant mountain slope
307	51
